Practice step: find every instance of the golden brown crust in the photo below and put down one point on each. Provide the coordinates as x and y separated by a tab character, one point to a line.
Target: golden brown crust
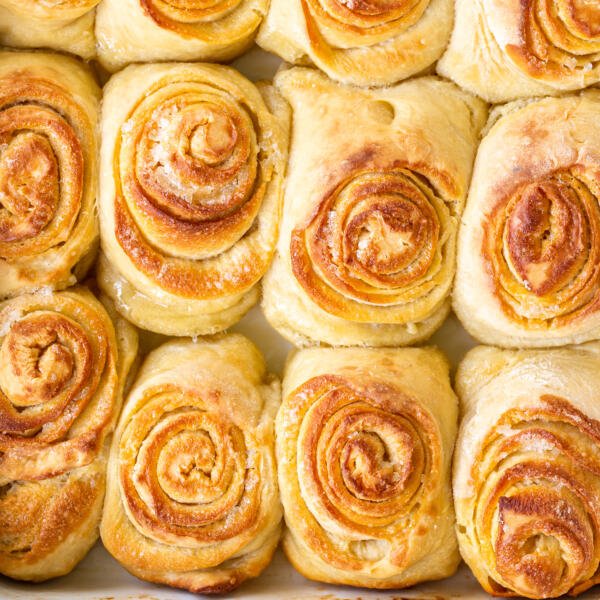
529	249
190	192
132	31
558	38
47	526
354	259
48	111
542	249
364	467
526	474
63	364
369	42
192	494
58	376
367	247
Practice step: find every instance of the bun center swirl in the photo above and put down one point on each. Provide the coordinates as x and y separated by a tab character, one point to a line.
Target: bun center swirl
364	452
29	187
543	248
378	239
186	465
194	161
189	476
57	360
374	455
535	519
38	358
46	361
41	166
547	236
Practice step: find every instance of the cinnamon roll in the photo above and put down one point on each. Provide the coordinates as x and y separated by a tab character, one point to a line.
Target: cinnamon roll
63	365
48	146
364	442
66	25
530	240
366	255
366	43
192	497
153	30
527	472
507	49
192	163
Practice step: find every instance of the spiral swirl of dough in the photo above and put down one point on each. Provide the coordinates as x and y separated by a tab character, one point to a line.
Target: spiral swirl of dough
533	520
542	246
188	475
41	167
370	21
58	383
194	218
561	38
363	457
380	248
47	165
131	31
192	493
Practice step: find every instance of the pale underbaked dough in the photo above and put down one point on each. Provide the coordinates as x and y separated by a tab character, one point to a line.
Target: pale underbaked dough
526	469
529	244
507	49
66	25
131	31
64	362
48	171
362	43
192	498
192	164
364	442
375	189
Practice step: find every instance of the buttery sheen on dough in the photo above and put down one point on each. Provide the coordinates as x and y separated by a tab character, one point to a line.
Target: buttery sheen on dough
63	366
192	163
48	148
192	498
364	442
527	470
131	31
66	25
529	246
367	43
507	49
375	189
